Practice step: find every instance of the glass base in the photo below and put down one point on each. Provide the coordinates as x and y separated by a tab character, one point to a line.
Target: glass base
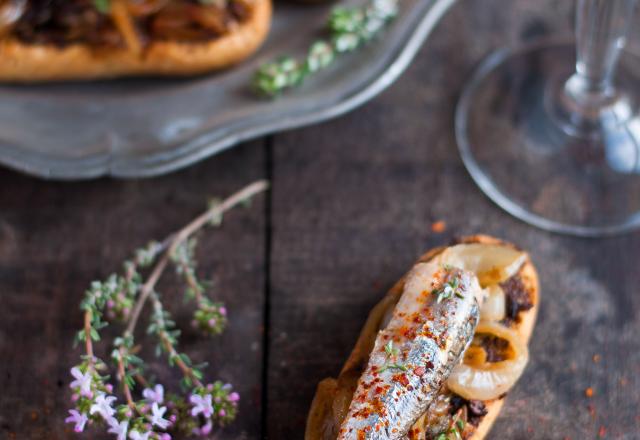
532	152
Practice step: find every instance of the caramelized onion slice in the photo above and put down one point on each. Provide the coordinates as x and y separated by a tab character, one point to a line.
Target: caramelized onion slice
494	306
140	8
124	23
210	17
477	379
492	263
10	13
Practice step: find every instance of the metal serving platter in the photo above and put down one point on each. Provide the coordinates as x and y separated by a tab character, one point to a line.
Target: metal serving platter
146	127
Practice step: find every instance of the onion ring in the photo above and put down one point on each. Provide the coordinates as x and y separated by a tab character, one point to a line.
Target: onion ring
477	379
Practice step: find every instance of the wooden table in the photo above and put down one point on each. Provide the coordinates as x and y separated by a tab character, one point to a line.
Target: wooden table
352	205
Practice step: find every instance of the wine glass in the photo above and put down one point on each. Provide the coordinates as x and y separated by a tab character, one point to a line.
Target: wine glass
551	131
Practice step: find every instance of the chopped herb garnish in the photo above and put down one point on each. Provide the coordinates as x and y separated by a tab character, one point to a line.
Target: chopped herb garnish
390	362
393	366
450	289
389	349
454	431
103	6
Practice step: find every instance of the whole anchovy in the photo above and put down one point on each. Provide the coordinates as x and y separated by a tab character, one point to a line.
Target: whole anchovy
431	327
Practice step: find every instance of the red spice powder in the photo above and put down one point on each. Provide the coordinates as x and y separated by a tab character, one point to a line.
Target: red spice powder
438	227
401	378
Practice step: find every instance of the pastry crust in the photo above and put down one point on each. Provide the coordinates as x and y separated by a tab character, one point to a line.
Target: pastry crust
320	418
21	62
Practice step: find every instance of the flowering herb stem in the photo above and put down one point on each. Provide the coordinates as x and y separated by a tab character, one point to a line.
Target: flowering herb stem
180	236
192	281
167	342
187	371
121	377
87	336
145	291
122	297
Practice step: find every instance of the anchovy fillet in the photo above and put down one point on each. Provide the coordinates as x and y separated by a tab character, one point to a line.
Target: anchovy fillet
431	327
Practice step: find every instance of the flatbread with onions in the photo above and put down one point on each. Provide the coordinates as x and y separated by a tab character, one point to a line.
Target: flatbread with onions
45	40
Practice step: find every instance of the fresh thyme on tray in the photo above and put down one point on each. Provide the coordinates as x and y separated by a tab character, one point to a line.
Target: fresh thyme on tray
349	29
121	298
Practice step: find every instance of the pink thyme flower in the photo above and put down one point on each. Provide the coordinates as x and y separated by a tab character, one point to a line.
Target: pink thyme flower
234	397
201	405
135	435
102	406
223	311
83	381
154	395
206	429
119	429
156	416
80	419
165	436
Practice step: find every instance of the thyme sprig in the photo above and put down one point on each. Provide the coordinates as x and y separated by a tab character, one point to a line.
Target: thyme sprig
121	298
454	430
391	359
348	29
164	328
209	316
449	289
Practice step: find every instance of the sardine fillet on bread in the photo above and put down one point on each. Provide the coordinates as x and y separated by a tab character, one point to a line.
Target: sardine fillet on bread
332	403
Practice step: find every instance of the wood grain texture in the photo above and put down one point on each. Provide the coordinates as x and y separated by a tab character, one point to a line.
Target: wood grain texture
56	237
353	204
352	207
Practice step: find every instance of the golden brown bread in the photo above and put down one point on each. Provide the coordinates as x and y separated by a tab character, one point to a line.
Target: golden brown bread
32	62
330	392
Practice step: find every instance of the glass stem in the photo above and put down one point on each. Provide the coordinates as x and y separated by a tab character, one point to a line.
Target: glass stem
601	30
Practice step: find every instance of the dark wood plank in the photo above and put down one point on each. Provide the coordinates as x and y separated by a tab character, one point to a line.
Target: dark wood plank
353	202
57	237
